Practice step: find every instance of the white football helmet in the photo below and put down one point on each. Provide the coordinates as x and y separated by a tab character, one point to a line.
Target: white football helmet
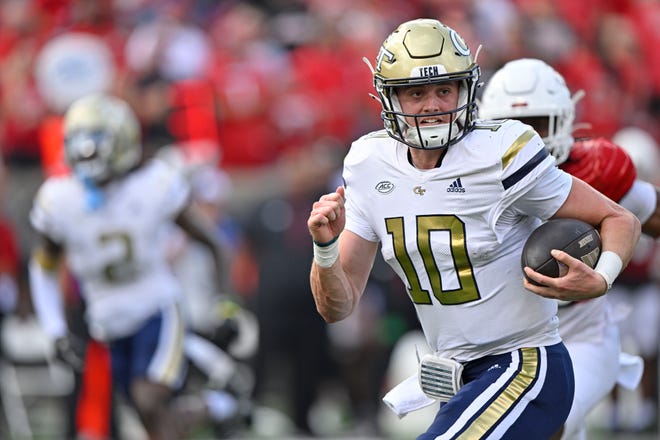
102	138
419	52
528	88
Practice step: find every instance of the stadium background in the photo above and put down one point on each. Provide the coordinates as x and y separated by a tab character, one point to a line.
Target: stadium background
272	93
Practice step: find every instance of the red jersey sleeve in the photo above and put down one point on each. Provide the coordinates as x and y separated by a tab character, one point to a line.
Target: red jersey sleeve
603	165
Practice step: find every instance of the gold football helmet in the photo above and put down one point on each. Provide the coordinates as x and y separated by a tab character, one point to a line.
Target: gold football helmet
102	138
419	52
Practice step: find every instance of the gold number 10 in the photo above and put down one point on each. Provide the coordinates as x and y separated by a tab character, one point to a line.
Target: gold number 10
467	291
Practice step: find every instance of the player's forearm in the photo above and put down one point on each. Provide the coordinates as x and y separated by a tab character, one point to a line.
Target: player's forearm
620	233
334	296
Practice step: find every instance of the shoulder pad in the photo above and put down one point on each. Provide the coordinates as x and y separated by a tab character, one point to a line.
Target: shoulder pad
603	165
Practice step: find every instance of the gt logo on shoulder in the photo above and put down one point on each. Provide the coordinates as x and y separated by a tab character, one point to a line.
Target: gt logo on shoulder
440	378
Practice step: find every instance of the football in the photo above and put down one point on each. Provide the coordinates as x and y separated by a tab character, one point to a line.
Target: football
575	237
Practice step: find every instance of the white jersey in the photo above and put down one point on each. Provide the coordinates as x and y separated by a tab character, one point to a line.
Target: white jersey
116	250
454	234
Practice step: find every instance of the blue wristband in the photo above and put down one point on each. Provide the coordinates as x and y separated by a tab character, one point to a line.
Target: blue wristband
327	243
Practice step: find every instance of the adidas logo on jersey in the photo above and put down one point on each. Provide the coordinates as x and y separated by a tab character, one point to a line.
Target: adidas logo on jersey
456	186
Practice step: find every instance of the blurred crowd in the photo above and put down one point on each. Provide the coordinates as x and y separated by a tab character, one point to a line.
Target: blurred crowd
268	95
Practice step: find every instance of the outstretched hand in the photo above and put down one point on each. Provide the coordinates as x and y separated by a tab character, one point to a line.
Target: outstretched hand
328	216
579	282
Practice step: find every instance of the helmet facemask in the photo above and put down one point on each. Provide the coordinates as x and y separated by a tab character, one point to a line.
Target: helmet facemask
559	139
89	153
426	136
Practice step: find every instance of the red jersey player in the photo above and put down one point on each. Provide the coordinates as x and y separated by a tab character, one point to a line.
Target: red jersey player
533	92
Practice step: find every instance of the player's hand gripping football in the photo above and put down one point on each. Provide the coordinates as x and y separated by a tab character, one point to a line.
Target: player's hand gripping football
577	282
328	217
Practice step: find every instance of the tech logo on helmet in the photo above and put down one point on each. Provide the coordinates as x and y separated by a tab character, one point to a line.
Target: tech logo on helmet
428	71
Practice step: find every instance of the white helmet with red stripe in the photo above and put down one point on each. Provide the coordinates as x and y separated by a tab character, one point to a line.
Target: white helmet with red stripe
530	88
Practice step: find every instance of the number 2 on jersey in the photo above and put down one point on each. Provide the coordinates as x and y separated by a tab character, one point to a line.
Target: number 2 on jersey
123	267
426	224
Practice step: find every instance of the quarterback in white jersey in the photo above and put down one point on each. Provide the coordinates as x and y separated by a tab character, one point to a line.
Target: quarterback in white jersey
108	220
451	201
457	260
532	91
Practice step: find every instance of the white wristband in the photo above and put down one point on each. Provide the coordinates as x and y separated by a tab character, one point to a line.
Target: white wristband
609	266
325	255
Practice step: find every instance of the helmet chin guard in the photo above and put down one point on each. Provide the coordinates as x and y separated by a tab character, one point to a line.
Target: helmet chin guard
431	137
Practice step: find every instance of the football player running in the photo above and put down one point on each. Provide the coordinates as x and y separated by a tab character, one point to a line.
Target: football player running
531	91
107	219
451	201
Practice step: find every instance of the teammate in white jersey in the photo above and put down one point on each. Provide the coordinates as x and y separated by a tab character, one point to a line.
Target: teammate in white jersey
451	200
108	219
533	92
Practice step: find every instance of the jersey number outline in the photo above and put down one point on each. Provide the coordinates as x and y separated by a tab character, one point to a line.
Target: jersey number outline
468	290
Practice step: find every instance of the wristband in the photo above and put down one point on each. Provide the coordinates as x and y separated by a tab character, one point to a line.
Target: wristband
327	243
325	254
609	266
